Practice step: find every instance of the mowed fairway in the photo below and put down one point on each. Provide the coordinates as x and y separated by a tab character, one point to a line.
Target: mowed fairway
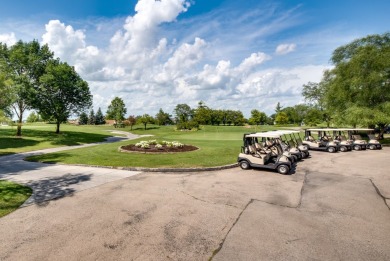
43	136
218	145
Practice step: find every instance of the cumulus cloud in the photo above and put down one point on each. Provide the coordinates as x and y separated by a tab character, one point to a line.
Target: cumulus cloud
285	48
70	46
149	69
140	30
8	39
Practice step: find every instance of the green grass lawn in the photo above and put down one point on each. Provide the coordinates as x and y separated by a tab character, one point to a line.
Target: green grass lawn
12	195
219	145
42	136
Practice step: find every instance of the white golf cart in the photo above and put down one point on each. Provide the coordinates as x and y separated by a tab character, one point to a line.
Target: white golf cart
321	144
289	145
333	134
255	155
372	144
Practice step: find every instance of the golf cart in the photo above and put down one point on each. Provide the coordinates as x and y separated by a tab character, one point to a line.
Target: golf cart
343	144
255	155
289	144
271	142
372	144
298	142
322	144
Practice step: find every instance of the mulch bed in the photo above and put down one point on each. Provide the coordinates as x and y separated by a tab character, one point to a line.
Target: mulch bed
164	149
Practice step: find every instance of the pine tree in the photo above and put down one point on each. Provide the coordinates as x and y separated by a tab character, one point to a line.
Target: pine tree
83	119
99	118
92	118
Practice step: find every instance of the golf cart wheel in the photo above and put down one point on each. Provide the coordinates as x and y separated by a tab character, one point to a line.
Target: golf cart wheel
294	158
379	147
306	154
357	147
372	147
331	149
283	169
244	164
343	149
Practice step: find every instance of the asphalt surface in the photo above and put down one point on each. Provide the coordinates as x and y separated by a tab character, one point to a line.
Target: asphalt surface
334	207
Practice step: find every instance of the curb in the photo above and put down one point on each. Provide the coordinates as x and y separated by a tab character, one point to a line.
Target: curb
163	170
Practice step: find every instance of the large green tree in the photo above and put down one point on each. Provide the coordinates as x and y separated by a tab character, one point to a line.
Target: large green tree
145	119
183	113
116	110
202	114
163	118
61	92
23	64
257	117
358	88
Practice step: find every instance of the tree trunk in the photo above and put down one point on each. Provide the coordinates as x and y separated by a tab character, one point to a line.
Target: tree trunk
58	128
145	126
19	127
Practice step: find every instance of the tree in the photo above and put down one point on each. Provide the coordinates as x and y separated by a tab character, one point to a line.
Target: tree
145	119
92	118
202	114
281	118
257	117
314	93
360	81
163	118
5	85
132	121
183	113
313	116
278	108
83	118
4	117
61	92
238	118
33	117
99	118
23	64
116	110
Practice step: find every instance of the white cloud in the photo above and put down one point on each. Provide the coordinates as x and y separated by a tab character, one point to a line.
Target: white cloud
151	68
285	48
140	29
8	39
252	61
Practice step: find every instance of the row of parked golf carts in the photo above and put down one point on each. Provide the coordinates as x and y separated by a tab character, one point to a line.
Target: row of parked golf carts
280	150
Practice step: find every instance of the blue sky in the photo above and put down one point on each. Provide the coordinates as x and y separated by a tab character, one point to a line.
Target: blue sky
231	54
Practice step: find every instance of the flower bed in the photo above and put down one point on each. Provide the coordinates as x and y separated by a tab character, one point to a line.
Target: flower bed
158	147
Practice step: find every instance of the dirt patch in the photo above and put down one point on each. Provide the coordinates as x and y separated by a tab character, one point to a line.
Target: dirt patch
153	149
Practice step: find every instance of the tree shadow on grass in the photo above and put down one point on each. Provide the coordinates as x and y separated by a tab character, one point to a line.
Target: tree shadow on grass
54	188
147	128
50	158
14	142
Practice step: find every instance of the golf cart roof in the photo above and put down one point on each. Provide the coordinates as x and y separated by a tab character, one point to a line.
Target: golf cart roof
281	132
341	129
263	135
324	129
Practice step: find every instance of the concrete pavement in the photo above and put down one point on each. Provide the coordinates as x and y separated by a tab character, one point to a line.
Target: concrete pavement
332	208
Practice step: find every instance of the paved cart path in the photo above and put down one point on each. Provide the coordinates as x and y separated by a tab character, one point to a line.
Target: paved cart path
55	181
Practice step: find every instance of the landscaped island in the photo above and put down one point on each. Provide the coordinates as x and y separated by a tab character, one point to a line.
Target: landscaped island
152	146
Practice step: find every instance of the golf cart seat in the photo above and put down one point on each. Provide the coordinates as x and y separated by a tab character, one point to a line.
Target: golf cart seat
310	138
253	151
260	148
372	137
